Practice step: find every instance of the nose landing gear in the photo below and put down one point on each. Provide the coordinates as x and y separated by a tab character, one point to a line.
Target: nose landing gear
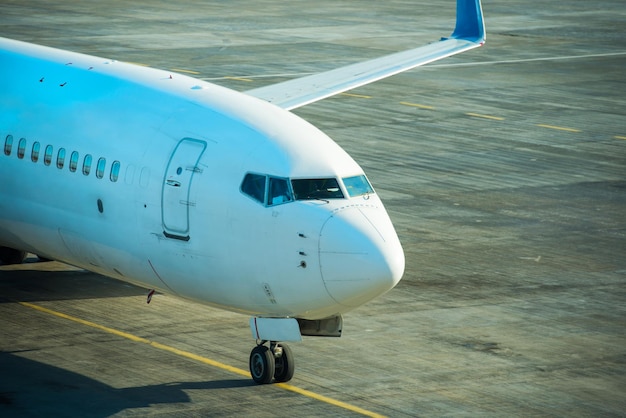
273	362
11	256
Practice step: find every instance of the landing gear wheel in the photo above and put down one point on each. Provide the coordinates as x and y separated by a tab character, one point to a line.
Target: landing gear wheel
11	256
262	364
285	364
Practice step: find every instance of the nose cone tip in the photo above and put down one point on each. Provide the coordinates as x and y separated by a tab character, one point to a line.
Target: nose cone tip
360	255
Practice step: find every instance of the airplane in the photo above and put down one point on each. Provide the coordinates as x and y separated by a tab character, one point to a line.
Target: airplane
182	186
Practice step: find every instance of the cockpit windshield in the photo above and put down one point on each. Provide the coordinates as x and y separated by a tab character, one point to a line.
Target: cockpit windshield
357	186
272	191
308	189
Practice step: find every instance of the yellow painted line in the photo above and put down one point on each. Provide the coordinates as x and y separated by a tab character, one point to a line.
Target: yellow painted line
558	128
141	64
247	80
619	137
84	322
180	70
201	359
421	106
478	115
360	96
328	400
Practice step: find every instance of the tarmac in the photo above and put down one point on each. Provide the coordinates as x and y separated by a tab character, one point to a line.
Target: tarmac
503	169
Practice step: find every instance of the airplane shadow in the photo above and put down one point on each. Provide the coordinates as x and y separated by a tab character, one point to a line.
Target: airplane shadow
32	388
44	281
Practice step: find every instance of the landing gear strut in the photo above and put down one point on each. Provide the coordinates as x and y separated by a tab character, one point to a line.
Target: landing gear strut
275	361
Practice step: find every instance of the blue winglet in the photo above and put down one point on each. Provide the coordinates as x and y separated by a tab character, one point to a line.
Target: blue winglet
469	21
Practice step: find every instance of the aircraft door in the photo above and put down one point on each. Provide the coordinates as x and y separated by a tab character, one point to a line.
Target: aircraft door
175	203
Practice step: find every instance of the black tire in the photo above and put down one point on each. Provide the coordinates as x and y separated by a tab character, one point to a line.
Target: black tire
262	364
285	365
11	256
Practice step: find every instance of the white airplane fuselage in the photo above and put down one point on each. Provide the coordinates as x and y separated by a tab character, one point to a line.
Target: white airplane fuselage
136	174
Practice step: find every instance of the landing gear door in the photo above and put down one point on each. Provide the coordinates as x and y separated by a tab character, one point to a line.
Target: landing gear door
175	203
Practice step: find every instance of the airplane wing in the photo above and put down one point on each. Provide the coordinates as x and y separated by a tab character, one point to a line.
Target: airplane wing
469	33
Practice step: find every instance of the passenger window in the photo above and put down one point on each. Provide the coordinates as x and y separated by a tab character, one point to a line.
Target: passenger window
8	145
61	158
21	148
100	168
34	156
279	191
129	177
254	186
115	171
47	156
87	165
73	161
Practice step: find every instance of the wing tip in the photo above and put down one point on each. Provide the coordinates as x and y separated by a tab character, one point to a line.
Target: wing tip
470	24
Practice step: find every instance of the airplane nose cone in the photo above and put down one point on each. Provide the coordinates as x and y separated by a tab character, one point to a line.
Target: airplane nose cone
360	255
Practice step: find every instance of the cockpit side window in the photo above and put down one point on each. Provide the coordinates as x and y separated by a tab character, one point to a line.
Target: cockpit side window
309	189
357	186
254	186
267	190
279	191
